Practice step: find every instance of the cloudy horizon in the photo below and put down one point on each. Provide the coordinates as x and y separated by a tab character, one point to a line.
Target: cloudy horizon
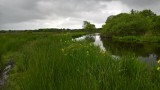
35	14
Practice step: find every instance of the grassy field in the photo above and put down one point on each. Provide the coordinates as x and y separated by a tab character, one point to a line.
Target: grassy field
53	61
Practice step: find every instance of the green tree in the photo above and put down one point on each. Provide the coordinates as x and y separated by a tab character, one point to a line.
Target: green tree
147	13
156	25
88	26
134	12
126	24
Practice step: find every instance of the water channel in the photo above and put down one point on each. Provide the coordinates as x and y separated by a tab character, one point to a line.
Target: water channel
147	52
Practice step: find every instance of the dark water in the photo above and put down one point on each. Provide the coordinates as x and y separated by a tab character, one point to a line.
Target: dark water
4	73
148	52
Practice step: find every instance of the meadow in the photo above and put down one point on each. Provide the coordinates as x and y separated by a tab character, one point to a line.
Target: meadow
53	61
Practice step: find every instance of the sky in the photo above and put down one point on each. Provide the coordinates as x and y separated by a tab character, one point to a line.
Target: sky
35	14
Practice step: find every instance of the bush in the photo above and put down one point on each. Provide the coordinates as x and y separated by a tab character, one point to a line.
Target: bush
137	23
126	24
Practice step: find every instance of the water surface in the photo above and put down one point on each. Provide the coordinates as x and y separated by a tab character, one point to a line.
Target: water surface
148	52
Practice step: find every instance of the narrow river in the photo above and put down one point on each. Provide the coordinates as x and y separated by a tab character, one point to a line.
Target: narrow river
147	52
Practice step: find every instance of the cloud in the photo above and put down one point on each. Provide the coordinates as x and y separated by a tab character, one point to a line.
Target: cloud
154	5
140	3
31	14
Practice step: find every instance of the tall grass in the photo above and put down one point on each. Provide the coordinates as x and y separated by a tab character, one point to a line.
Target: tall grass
54	62
12	42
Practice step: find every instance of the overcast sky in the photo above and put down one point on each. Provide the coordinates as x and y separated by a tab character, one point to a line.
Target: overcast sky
34	14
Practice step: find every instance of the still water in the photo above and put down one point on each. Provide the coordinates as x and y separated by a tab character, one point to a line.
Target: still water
93	37
148	52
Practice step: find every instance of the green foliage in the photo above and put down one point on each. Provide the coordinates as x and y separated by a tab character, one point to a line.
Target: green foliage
126	24
134	12
137	23
88	26
147	13
157	24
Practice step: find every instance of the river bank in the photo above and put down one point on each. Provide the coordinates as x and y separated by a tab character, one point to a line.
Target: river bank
138	39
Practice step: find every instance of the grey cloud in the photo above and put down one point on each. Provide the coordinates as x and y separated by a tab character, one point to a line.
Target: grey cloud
17	11
140	3
28	10
23	10
26	13
143	4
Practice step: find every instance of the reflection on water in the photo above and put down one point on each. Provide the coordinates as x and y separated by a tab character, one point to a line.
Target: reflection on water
151	59
148	52
96	40
99	43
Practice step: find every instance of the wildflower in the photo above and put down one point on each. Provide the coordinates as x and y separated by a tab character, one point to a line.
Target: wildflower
87	52
78	70
158	61
158	68
62	50
103	52
90	44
